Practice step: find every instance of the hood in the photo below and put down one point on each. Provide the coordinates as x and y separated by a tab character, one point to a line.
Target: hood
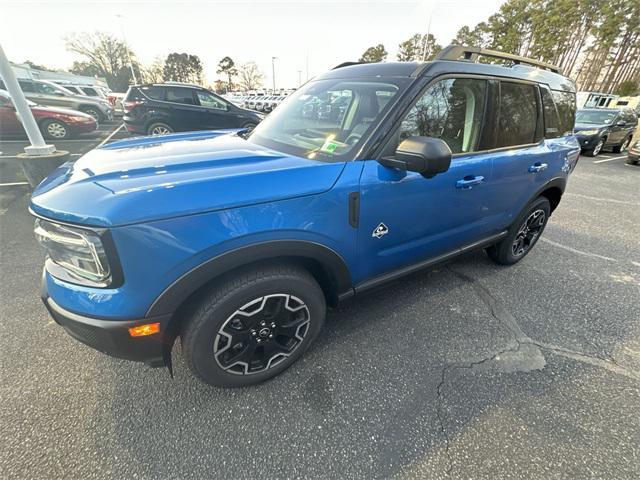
153	178
589	126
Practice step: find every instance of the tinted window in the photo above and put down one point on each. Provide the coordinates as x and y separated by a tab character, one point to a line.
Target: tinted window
27	86
551	119
209	101
566	106
629	118
90	91
156	93
451	110
518	115
179	95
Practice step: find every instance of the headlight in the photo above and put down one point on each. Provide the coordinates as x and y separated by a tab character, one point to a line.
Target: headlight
81	119
79	252
588	132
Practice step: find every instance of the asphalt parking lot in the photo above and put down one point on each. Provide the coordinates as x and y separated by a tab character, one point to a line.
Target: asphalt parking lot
468	371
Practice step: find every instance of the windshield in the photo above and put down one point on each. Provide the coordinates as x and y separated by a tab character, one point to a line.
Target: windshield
595	118
326	119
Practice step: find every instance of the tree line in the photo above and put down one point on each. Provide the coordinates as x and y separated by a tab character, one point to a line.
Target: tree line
104	55
595	43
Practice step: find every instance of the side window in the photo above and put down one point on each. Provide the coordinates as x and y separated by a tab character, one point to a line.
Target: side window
551	119
179	95
46	89
518	115
155	93
451	110
209	101
566	106
27	87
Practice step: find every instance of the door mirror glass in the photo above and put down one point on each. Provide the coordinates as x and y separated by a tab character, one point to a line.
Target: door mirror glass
621	123
424	155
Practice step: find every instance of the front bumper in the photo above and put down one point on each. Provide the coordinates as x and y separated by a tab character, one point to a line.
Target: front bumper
588	141
112	336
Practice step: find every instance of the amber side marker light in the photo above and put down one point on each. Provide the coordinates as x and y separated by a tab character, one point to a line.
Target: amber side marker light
144	330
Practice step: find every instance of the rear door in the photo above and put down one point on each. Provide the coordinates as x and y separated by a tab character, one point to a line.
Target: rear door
522	161
9	124
49	95
183	112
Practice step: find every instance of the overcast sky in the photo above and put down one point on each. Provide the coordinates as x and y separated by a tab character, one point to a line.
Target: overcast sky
326	32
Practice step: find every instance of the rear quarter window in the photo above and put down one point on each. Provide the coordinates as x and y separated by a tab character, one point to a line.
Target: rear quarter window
551	117
566	106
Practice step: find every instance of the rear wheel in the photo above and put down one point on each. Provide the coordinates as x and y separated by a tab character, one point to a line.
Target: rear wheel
523	234
249	126
631	161
159	128
253	325
623	146
55	130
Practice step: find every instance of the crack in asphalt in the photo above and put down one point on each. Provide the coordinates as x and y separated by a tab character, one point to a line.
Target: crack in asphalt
519	338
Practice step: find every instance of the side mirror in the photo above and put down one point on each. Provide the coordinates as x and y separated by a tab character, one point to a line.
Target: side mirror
621	123
427	156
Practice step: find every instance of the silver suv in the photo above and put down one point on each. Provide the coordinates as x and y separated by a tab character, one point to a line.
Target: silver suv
48	93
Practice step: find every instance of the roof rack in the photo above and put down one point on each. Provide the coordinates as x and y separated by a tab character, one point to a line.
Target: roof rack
459	52
347	64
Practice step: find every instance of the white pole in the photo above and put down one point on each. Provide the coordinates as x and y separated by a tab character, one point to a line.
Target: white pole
38	147
124	39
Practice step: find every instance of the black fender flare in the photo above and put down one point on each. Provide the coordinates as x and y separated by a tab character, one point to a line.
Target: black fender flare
333	265
559	183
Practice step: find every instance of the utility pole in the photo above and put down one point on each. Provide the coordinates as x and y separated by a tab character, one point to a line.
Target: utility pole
299	77
124	39
273	73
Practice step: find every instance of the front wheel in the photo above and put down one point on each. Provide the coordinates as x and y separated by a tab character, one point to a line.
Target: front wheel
94	112
55	130
523	234
253	325
595	151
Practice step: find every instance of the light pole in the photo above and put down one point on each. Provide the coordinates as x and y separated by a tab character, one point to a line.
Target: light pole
273	73
299	77
37	147
124	39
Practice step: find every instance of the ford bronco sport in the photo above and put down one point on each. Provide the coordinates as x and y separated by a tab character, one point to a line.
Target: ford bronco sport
236	242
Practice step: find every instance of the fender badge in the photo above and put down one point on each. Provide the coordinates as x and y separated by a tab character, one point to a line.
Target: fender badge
380	231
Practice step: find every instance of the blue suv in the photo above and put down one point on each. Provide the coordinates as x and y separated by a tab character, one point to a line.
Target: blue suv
236	241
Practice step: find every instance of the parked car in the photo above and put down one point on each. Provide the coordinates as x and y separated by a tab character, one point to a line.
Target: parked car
50	94
237	242
162	108
54	123
599	128
73	89
633	155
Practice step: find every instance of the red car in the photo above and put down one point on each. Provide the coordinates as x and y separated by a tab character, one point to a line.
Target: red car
55	123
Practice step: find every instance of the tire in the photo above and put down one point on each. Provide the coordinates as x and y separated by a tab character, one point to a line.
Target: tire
249	126
159	128
55	130
94	112
595	151
630	161
273	312
517	244
623	146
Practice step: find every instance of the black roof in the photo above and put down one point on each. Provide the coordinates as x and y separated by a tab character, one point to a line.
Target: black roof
555	81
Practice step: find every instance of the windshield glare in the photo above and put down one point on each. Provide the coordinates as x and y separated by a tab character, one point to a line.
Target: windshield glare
595	118
326	119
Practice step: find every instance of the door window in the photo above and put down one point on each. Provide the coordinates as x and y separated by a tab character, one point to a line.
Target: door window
27	87
180	95
47	89
209	101
451	110
518	115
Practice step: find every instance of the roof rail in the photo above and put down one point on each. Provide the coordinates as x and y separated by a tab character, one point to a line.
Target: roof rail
459	52
347	64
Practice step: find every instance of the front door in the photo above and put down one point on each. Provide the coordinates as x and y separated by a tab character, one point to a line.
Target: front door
406	218
213	112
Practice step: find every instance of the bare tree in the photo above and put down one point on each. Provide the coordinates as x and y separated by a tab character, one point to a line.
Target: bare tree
153	73
249	76
106	55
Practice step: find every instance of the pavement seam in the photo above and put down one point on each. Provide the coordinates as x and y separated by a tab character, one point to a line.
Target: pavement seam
500	313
